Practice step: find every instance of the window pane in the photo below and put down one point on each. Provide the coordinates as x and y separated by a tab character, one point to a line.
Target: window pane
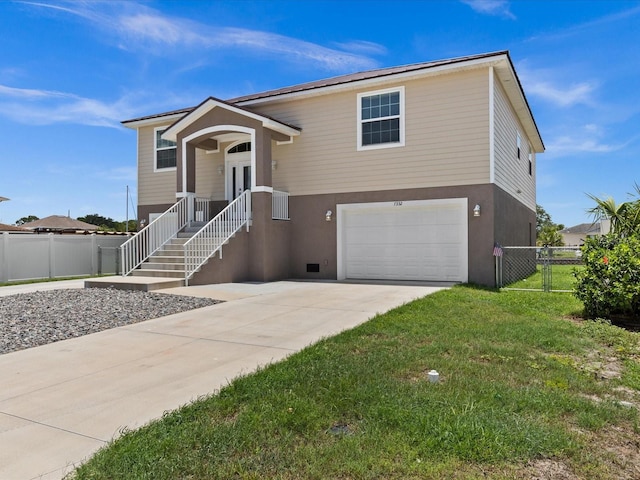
381	131
161	143
166	158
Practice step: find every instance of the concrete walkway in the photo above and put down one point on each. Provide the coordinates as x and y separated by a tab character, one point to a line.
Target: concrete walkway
61	402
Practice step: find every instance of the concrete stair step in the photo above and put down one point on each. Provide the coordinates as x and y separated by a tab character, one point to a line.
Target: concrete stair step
166	259
162	266
181	239
142	283
158	273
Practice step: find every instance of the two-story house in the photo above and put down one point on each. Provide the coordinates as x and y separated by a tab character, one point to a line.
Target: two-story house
407	173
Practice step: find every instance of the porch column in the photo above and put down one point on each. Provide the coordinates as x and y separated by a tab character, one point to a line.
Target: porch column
261	207
186	175
263	158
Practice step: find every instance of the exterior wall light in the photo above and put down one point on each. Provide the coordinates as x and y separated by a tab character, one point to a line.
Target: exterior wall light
476	211
220	169
274	165
327	216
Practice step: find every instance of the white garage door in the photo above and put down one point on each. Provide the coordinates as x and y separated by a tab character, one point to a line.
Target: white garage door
422	240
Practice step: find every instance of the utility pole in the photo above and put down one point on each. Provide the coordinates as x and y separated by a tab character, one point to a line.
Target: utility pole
126	228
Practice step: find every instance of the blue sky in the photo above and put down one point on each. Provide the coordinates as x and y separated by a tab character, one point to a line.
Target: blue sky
71	71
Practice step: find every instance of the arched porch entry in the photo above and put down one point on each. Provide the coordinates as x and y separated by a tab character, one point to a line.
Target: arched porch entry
215	122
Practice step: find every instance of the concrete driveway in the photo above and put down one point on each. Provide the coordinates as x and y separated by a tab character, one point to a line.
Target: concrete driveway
61	402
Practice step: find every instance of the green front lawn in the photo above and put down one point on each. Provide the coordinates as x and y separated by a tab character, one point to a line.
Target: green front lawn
562	278
521	395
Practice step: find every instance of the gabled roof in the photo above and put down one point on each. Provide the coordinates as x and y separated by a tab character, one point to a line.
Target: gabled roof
501	61
376	74
583	228
211	103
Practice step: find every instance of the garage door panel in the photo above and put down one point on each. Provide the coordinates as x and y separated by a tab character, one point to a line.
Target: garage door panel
425	241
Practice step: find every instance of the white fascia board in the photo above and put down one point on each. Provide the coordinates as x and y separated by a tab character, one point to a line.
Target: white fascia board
206	107
383	80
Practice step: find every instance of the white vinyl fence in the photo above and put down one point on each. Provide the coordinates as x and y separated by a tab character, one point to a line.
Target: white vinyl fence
34	256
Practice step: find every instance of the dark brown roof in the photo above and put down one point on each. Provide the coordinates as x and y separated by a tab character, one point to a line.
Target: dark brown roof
333	81
588	228
356	77
58	223
11	228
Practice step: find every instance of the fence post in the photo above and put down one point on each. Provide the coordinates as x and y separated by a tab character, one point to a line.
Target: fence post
546	269
94	254
99	260
52	264
4	258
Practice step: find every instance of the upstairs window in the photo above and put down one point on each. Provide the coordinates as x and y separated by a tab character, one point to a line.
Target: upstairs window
381	119
165	151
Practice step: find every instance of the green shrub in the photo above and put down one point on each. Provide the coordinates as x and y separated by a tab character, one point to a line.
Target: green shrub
609	285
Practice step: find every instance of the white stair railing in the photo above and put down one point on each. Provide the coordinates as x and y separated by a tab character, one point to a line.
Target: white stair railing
280	205
202	210
148	240
210	239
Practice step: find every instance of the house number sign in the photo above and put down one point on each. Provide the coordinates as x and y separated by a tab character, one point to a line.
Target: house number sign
397	204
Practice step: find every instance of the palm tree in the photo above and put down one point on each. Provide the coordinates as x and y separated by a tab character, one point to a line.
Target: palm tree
624	217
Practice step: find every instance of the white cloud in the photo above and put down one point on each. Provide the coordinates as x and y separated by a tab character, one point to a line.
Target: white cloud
566	145
46	107
491	7
544	83
364	47
590	138
138	27
565	96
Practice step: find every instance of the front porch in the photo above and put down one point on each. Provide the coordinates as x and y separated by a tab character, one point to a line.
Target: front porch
187	241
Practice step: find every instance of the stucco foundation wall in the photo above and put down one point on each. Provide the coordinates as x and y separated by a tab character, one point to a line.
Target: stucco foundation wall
233	267
515	226
314	240
515	223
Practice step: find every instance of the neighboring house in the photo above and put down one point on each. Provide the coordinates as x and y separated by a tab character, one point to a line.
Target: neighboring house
576	235
406	173
12	228
59	224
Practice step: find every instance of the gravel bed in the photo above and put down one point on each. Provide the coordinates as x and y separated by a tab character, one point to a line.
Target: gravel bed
32	319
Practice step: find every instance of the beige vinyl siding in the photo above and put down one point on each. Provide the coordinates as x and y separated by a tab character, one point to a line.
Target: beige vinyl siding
511	173
209	183
153	187
446	139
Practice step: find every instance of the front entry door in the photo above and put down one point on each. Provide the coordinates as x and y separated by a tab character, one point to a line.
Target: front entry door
240	178
238	168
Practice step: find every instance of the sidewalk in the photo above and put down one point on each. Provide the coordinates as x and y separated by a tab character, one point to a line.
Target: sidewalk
61	402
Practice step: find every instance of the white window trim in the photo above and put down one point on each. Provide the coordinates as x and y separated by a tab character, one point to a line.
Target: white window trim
378	146
156	149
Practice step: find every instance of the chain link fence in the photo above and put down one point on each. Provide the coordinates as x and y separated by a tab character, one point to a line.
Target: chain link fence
547	269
